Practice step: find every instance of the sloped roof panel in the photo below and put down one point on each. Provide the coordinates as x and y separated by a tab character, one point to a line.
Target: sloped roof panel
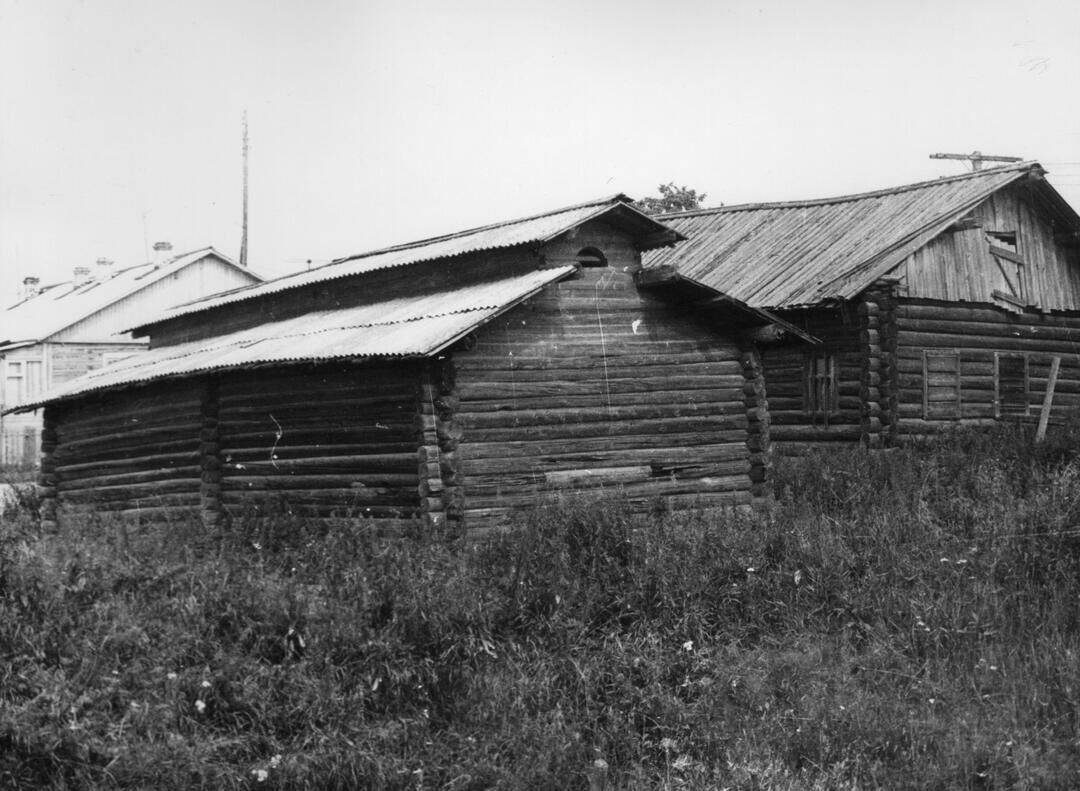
530	230
802	252
407	327
57	307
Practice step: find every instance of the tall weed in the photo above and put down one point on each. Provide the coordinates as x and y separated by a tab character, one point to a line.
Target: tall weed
904	619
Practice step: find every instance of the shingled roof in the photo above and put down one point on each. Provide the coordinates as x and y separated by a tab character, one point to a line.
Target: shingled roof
780	255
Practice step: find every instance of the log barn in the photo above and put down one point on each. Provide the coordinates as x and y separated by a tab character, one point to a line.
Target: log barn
944	303
59	331
453	380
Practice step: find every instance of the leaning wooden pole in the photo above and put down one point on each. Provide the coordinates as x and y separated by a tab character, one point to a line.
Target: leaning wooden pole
1048	399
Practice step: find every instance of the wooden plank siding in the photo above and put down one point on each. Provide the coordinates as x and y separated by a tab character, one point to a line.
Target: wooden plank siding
933	337
330	442
960	266
594	385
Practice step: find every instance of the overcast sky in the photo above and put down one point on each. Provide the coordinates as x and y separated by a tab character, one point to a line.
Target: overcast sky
374	123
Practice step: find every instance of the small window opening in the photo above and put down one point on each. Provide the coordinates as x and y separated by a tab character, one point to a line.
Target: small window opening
821	394
1006	239
591	256
1011	381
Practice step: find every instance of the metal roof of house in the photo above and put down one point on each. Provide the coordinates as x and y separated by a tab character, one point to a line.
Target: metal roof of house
61	305
537	229
804	252
415	326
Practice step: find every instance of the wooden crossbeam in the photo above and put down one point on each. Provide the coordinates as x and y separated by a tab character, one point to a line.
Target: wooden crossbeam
976	158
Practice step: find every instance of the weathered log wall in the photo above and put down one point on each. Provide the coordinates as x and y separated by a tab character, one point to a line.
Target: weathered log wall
957	384
591	385
793	425
326	442
133	452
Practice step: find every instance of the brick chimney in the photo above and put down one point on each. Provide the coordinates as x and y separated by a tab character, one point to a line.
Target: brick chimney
104	265
30	286
81	274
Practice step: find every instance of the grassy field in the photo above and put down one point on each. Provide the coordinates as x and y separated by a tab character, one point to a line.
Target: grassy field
905	619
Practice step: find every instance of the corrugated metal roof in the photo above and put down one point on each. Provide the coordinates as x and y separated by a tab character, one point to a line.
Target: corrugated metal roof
408	327
776	255
529	230
58	306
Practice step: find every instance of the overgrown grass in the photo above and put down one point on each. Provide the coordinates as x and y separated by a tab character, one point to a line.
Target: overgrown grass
905	619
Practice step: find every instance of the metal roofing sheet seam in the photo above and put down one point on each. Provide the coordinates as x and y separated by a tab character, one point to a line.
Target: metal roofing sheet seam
410	326
513	233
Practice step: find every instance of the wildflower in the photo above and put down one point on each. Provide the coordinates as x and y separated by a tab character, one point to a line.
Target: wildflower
171	676
667	744
205	685
682	762
275	761
688	645
751	570
798	576
200	706
260	775
256	544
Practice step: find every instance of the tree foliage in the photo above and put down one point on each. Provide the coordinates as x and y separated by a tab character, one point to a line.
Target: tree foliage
671	199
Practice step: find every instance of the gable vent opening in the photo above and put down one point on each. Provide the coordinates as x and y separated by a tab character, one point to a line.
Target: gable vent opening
591	256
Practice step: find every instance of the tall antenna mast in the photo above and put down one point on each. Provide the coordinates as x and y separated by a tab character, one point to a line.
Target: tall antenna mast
244	231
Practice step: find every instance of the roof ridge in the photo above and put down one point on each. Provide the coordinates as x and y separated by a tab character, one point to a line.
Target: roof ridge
795	204
611	201
618	197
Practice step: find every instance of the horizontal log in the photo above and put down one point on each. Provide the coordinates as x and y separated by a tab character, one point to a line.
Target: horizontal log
990	329
397	462
301	400
474	406
636	492
396	497
802	433
916	426
595	384
120	498
968	409
962	342
580	478
983	313
570	456
136	463
729	427
132	432
253	504
125	439
234	451
384	480
595	412
658	362
88	478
